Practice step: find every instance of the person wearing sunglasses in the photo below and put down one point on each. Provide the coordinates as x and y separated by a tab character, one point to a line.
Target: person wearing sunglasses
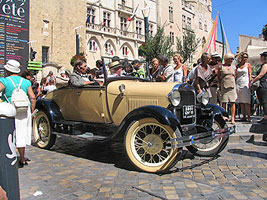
79	77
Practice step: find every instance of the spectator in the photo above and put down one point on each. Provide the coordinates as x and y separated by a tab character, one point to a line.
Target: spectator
27	75
166	74
42	84
155	69
243	78
180	70
115	69
50	87
115	58
203	74
50	77
128	69
79	76
214	89
62	80
139	71
262	90
226	77
191	75
23	127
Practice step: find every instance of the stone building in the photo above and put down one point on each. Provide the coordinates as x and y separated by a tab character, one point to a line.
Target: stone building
52	33
254	46
178	15
104	26
110	32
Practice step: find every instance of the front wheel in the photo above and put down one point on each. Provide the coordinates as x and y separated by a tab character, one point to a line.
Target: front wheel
212	147
42	131
148	145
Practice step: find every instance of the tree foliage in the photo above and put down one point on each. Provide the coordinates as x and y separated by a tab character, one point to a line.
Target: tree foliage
264	32
188	45
156	45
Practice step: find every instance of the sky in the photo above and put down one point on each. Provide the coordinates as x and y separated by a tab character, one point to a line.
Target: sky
245	17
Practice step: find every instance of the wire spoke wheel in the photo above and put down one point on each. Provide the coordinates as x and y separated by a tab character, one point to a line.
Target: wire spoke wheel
148	145
42	132
210	147
211	144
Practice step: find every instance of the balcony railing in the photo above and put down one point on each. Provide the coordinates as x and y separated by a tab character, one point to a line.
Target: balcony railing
125	8
119	32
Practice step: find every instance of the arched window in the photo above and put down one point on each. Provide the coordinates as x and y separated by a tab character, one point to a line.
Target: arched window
109	49
92	45
125	51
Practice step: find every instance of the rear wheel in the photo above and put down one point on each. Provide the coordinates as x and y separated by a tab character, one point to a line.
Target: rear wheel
42	131
211	147
148	145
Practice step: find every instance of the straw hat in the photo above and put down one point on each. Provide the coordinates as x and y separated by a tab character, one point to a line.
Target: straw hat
12	66
114	65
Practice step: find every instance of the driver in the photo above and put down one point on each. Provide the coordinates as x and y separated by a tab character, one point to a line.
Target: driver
79	76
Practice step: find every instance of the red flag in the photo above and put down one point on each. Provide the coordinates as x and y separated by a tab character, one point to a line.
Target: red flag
133	15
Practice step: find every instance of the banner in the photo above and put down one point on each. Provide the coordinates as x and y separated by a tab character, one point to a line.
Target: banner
14	32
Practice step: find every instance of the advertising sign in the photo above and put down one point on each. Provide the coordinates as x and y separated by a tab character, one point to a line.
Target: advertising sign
14	32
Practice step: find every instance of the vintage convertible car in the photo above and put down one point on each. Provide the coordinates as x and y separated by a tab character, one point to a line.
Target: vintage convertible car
153	119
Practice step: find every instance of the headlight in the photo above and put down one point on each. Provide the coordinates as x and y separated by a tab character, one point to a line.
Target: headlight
175	97
203	97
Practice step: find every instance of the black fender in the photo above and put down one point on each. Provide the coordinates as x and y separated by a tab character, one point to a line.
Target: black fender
161	114
50	108
217	112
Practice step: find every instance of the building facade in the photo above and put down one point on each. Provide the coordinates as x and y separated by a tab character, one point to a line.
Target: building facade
110	27
52	30
178	15
116	27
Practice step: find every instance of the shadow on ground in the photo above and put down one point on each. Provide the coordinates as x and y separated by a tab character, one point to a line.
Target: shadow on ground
248	153
110	153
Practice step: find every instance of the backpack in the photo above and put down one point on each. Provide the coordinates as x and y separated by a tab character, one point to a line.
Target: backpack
19	98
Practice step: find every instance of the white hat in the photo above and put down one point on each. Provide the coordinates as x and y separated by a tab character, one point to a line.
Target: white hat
12	66
215	55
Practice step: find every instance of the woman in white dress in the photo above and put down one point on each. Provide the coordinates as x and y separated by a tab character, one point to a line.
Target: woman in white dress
243	79
180	70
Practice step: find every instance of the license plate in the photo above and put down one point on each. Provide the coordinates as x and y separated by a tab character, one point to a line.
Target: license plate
188	112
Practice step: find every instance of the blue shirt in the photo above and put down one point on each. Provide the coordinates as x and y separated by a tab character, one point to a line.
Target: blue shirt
9	86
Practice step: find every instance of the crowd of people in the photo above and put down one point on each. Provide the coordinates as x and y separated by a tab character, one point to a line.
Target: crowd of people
227	81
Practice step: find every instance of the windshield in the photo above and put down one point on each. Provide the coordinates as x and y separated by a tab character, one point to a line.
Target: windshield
116	67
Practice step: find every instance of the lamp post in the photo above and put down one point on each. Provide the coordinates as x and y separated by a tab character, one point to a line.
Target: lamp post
145	13
77	39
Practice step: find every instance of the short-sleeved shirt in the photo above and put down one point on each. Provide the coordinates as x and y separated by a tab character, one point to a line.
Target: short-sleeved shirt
168	72
9	86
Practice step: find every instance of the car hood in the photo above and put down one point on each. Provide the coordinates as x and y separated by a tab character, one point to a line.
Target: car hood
143	89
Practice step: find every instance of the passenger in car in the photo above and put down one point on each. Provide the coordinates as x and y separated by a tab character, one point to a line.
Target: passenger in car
115	69
79	76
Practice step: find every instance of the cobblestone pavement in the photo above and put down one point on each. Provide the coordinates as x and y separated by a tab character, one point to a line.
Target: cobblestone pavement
78	169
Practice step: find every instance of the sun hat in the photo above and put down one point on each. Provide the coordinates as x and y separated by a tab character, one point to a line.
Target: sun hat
114	65
12	66
215	55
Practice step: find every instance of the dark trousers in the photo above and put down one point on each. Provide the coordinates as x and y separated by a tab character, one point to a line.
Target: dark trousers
262	95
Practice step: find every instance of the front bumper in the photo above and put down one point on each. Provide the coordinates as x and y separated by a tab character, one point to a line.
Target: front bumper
188	140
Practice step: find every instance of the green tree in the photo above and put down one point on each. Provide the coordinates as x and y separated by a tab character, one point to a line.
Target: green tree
156	45
188	45
264	32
